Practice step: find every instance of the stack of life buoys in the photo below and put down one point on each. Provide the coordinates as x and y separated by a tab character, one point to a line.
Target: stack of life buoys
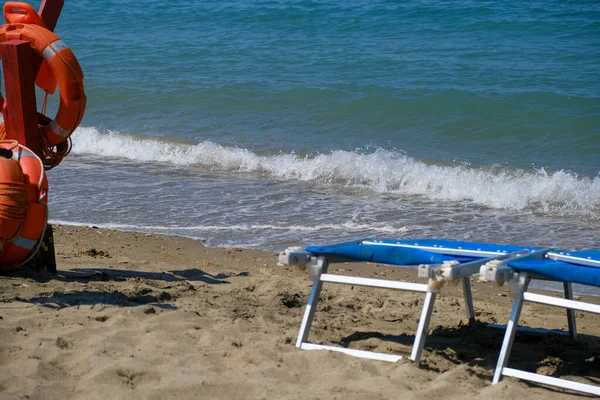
23	203
23	183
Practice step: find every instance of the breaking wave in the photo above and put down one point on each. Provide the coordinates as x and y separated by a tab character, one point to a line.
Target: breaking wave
560	193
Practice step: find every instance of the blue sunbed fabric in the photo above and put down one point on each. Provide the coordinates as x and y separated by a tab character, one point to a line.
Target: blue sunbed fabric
560	271
396	255
564	271
357	251
384	252
453	244
585	254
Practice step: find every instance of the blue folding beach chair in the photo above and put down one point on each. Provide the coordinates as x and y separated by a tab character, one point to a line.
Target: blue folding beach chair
442	261
438	260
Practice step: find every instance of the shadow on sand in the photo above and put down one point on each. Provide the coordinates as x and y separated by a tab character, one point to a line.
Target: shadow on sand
478	345
92	298
143	296
111	274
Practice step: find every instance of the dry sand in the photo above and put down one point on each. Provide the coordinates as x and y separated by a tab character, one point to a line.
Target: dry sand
135	316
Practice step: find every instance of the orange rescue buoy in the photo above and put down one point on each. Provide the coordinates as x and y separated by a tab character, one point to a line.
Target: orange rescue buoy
66	70
23	203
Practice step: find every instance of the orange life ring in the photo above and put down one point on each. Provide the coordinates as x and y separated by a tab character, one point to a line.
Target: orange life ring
23	175
16	12
66	70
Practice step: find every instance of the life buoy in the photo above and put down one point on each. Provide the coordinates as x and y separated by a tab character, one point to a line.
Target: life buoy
16	12
66	70
22	179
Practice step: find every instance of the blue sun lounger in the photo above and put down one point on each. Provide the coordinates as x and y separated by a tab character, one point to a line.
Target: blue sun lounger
438	260
442	261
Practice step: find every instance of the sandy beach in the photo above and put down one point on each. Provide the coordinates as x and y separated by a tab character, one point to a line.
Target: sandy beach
136	316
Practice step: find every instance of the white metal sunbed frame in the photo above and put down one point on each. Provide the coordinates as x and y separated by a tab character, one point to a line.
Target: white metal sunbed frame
519	283
491	268
438	274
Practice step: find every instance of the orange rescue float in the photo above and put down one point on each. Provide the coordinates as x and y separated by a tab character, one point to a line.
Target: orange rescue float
65	69
23	203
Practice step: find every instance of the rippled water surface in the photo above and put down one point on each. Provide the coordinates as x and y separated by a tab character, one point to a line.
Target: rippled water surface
274	123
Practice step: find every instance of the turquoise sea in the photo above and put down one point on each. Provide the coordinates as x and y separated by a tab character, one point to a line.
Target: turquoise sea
267	124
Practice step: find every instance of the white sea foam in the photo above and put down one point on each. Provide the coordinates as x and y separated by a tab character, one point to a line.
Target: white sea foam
381	171
347	227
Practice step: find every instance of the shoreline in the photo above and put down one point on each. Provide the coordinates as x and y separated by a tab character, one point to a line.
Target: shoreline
135	315
132	230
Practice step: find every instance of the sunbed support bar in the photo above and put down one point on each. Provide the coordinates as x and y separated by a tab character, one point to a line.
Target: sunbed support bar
565	303
439	249
311	305
466	285
378	283
353	352
572	260
548	380
511	330
570	312
423	327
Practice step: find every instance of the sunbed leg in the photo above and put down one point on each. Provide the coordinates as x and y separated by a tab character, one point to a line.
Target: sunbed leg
511	328
466	282
311	305
570	312
423	327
